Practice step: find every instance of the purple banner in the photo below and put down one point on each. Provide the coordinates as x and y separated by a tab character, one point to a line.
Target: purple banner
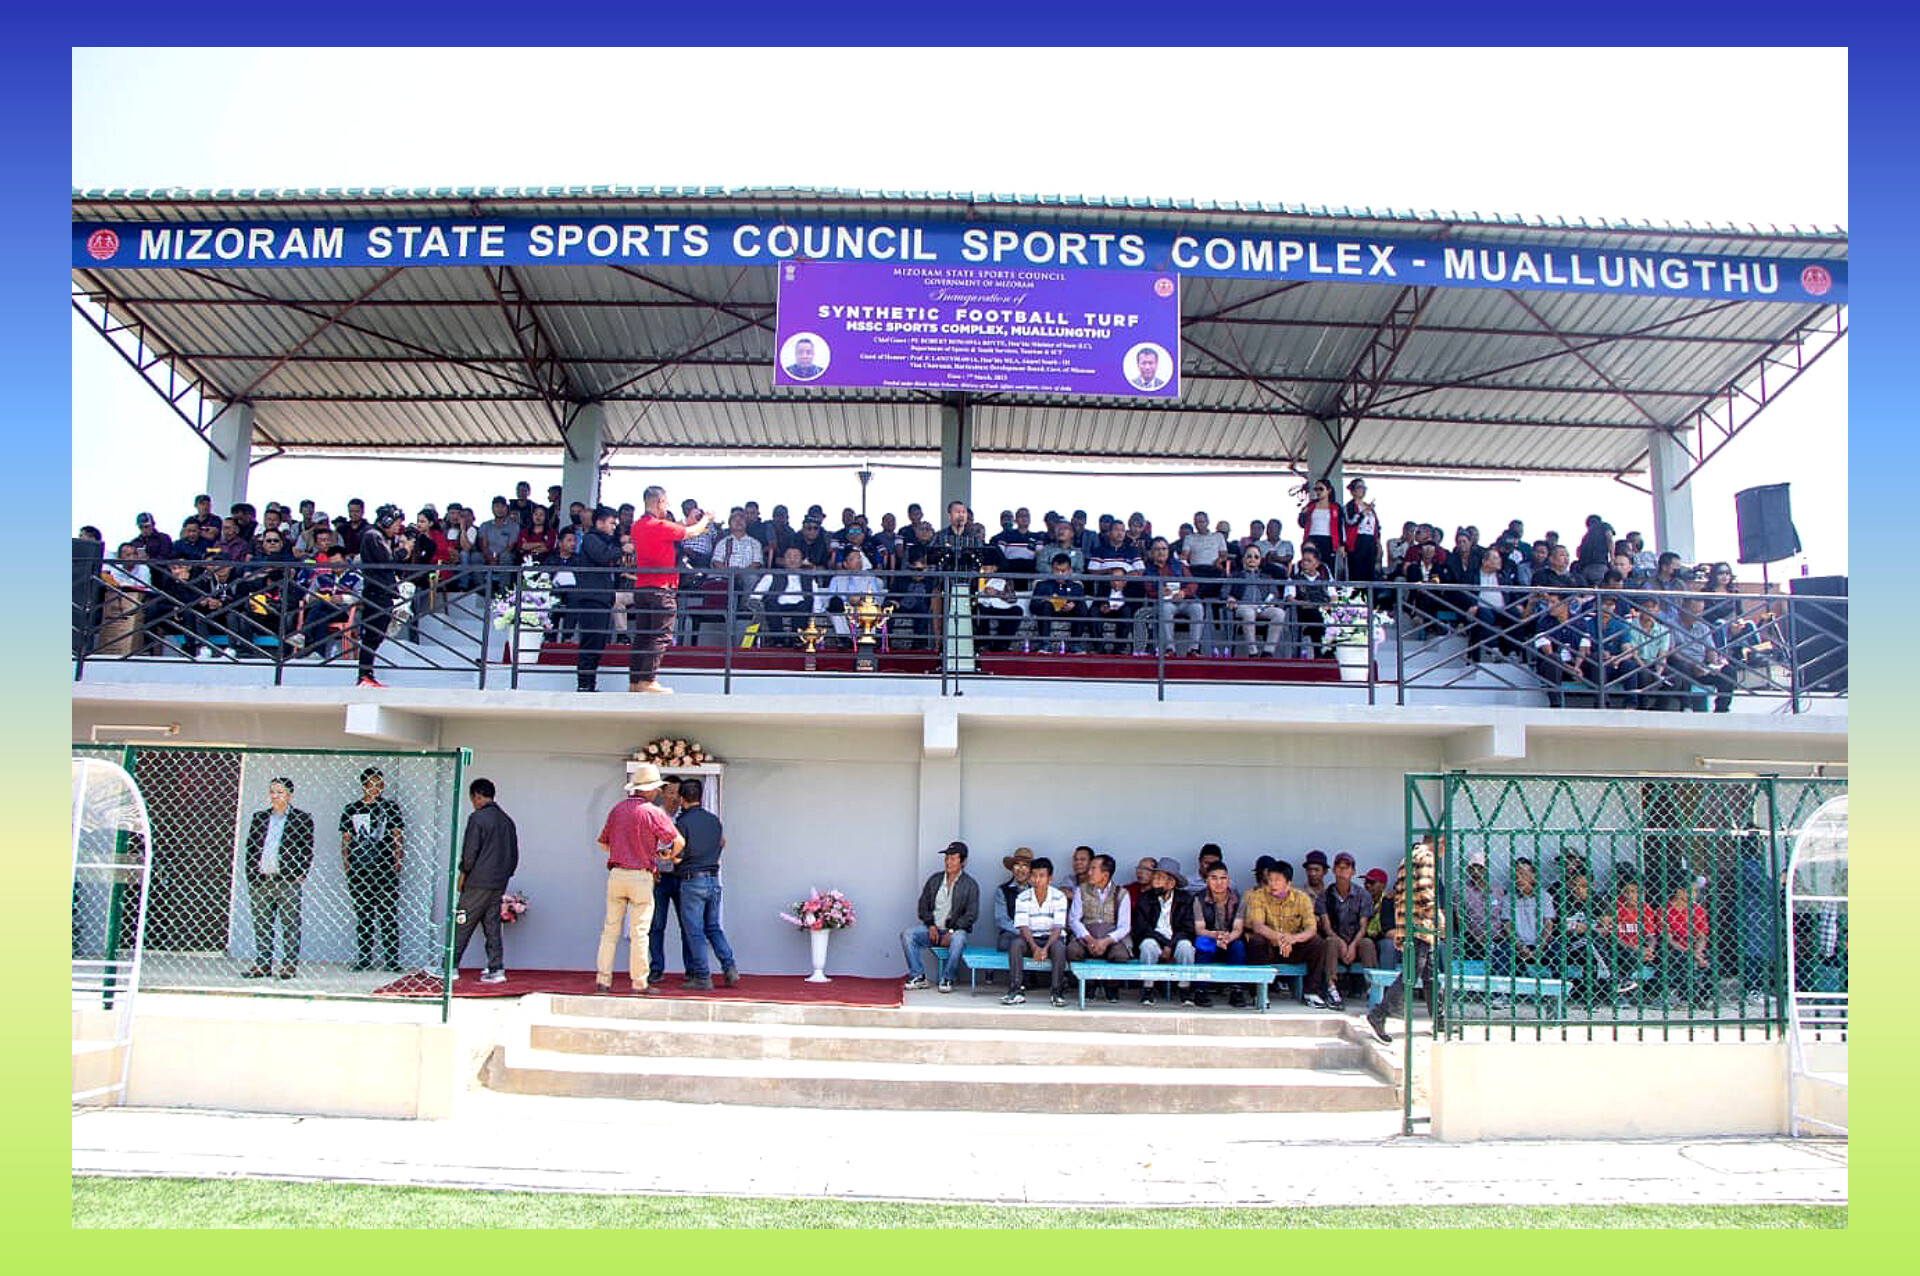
1093	332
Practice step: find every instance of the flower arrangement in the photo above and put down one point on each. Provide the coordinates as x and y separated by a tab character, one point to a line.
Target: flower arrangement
535	601
667	752
1347	621
831	911
511	906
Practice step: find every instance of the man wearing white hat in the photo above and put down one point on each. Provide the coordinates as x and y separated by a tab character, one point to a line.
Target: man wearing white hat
637	835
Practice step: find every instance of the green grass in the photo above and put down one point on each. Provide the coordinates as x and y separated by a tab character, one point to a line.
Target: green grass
164	1202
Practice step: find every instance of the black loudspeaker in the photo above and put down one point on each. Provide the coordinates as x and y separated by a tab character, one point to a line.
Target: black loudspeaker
1818	626
1764	516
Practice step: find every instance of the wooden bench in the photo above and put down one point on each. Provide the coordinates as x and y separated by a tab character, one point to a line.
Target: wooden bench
1169	972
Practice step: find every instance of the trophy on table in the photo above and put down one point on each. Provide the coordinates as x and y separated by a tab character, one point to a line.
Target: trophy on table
811	633
868	614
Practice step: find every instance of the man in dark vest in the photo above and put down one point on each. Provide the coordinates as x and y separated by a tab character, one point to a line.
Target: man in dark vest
1101	920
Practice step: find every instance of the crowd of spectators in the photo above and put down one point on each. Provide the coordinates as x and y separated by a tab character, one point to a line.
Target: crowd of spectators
1604	609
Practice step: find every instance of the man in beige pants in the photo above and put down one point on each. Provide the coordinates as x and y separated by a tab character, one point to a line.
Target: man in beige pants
636	837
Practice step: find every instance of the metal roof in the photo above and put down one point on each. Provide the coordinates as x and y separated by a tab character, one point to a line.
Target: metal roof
1513	381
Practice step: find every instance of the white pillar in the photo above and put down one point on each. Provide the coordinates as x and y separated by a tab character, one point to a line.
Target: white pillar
1320	449
1667	461
956	458
232	433
580	470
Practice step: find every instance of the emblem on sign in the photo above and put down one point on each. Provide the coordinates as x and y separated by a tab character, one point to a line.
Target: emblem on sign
102	244
1163	287
1816	281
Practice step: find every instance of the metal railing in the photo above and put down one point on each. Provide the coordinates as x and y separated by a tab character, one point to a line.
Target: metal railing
1611	905
493	624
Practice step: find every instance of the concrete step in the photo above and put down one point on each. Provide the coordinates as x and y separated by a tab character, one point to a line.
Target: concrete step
927	1010
668	1039
815	1083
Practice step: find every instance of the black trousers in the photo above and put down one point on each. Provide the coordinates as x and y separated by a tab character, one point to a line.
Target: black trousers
376	613
595	613
375	890
1396	993
1313	627
479	907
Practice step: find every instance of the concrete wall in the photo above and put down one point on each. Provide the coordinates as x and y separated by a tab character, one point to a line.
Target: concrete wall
861	794
1607	1089
339	1067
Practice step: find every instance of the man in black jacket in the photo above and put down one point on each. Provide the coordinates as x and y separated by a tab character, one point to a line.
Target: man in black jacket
489	854
943	923
1163	924
592	599
377	589
279	853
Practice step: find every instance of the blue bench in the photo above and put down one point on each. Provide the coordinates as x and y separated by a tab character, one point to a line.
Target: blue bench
979	959
1258	976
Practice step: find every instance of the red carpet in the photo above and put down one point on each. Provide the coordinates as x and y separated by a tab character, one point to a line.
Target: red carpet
845	990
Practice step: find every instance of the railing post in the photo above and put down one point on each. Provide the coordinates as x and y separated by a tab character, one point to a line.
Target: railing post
1400	644
726	633
281	637
1368	642
519	596
486	620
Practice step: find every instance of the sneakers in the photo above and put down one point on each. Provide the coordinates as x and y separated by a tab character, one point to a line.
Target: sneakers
1377	1020
1014	998
1237	998
1113	992
1333	998
1626	987
946	985
915	982
1146	995
368	680
1499	1002
1186	996
1059	1002
1201	997
651	688
603	986
1315	1001
731	976
493	977
702	984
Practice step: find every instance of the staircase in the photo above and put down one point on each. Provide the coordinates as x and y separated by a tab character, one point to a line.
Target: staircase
943	1057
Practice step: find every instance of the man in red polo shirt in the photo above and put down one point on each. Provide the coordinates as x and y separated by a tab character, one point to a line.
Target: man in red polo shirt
635	837
655	580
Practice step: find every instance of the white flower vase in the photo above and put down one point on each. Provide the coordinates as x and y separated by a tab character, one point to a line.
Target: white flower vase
1353	658
523	645
817	941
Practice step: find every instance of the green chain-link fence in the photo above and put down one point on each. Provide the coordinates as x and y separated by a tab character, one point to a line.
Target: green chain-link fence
343	894
1599	905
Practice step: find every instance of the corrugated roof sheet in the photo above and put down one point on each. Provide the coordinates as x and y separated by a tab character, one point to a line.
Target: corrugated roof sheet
682	355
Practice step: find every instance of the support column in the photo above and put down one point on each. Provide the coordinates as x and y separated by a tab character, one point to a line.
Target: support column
580	470
232	433
1320	449
1667	462
956	456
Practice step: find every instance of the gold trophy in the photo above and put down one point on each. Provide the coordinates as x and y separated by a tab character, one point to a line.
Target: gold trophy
811	633
868	613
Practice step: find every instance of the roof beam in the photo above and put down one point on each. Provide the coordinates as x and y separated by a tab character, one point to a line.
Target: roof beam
1748	395
1366	380
1580	354
538	354
179	385
338	314
1265	383
725	305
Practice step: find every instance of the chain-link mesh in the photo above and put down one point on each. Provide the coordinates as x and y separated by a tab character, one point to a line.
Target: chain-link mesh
342	895
1641	904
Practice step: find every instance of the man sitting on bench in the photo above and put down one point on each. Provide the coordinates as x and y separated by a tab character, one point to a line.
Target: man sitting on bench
1163	924
1283	930
1101	919
1040	932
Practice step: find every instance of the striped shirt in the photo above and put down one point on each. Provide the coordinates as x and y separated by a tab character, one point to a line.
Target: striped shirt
1040	918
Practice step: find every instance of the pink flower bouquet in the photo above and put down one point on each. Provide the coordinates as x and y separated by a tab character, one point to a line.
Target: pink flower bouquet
831	911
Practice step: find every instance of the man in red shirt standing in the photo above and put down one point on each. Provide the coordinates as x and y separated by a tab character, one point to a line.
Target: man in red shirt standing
655	580
636	836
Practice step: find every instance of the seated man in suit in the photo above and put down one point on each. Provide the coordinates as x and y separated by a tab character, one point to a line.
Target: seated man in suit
1060	599
786	600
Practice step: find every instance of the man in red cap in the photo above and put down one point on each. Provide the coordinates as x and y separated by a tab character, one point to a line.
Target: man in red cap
1386	952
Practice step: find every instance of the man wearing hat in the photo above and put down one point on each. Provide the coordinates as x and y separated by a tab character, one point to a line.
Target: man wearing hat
1386	952
1163	924
1316	868
949	909
1342	913
377	589
636	836
1020	865
591	599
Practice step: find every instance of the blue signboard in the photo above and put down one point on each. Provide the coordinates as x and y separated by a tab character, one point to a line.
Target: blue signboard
1096	332
1159	250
